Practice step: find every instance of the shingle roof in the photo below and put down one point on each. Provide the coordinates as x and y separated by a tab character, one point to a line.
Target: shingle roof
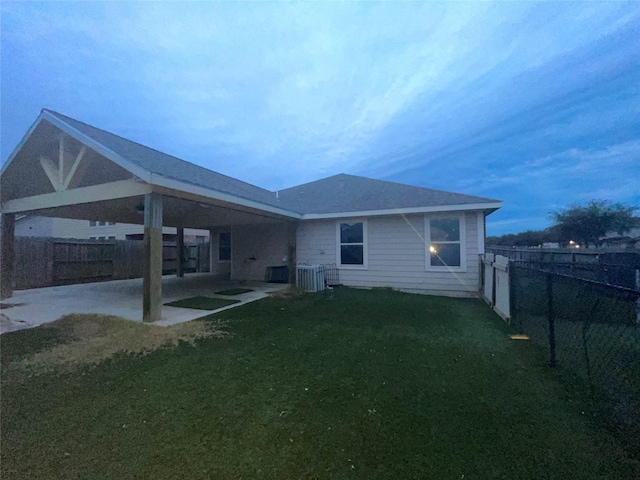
350	193
339	193
171	167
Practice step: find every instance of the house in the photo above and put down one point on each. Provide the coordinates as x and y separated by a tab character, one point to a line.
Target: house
379	234
630	239
38	226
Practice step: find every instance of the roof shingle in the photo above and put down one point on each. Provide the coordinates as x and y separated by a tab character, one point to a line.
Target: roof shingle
168	166
350	193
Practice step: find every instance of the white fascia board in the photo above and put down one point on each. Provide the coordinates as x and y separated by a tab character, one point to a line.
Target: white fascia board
22	142
139	172
405	211
179	186
75	196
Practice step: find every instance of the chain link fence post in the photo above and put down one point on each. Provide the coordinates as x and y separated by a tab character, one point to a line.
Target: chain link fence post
551	320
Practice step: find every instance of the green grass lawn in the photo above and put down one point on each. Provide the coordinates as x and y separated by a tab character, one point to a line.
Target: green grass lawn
351	384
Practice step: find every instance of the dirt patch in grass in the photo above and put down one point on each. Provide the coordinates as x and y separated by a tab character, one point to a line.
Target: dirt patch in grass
234	291
86	340
202	303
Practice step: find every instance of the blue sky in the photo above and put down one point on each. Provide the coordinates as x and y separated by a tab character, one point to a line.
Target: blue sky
536	104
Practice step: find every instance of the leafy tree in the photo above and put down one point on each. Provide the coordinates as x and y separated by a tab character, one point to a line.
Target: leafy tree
588	223
530	238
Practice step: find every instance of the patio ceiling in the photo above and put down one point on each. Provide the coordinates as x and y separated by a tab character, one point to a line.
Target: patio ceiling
177	212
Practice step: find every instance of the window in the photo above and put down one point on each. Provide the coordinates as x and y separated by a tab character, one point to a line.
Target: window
351	240
446	245
112	223
92	223
224	247
102	223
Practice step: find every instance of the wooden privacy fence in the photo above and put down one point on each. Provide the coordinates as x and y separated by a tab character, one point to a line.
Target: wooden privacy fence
44	262
495	289
614	268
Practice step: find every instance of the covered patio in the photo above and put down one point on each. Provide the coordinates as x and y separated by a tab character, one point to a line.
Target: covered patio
65	168
31	308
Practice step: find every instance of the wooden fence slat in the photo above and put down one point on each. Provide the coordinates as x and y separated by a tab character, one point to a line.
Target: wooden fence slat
44	262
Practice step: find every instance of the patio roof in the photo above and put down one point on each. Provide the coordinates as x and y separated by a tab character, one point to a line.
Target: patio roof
103	176
332	196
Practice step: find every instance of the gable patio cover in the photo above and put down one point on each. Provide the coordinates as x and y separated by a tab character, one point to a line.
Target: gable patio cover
65	168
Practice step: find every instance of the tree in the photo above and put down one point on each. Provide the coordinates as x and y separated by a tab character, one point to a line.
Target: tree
530	238
589	223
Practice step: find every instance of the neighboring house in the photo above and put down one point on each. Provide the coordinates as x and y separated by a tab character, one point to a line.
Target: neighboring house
379	234
37	226
630	239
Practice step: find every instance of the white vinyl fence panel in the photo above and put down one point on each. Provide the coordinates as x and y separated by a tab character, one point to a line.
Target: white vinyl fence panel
496	284
501	300
487	290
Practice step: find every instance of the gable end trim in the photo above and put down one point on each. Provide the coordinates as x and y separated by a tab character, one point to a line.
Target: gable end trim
400	211
98	147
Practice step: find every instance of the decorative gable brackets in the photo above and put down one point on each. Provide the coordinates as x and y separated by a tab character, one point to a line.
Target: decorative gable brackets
63	174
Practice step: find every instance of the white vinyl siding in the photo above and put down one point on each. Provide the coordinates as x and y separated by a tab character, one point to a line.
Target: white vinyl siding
316	242
396	255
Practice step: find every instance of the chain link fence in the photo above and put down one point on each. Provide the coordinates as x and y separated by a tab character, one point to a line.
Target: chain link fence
590	330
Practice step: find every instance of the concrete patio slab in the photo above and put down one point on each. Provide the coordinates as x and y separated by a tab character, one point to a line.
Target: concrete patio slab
30	308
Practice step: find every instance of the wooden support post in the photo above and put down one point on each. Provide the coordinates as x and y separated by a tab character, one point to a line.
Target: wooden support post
7	254
152	265
180	252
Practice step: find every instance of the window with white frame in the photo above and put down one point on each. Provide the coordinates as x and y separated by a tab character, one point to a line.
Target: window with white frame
445	243
352	244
